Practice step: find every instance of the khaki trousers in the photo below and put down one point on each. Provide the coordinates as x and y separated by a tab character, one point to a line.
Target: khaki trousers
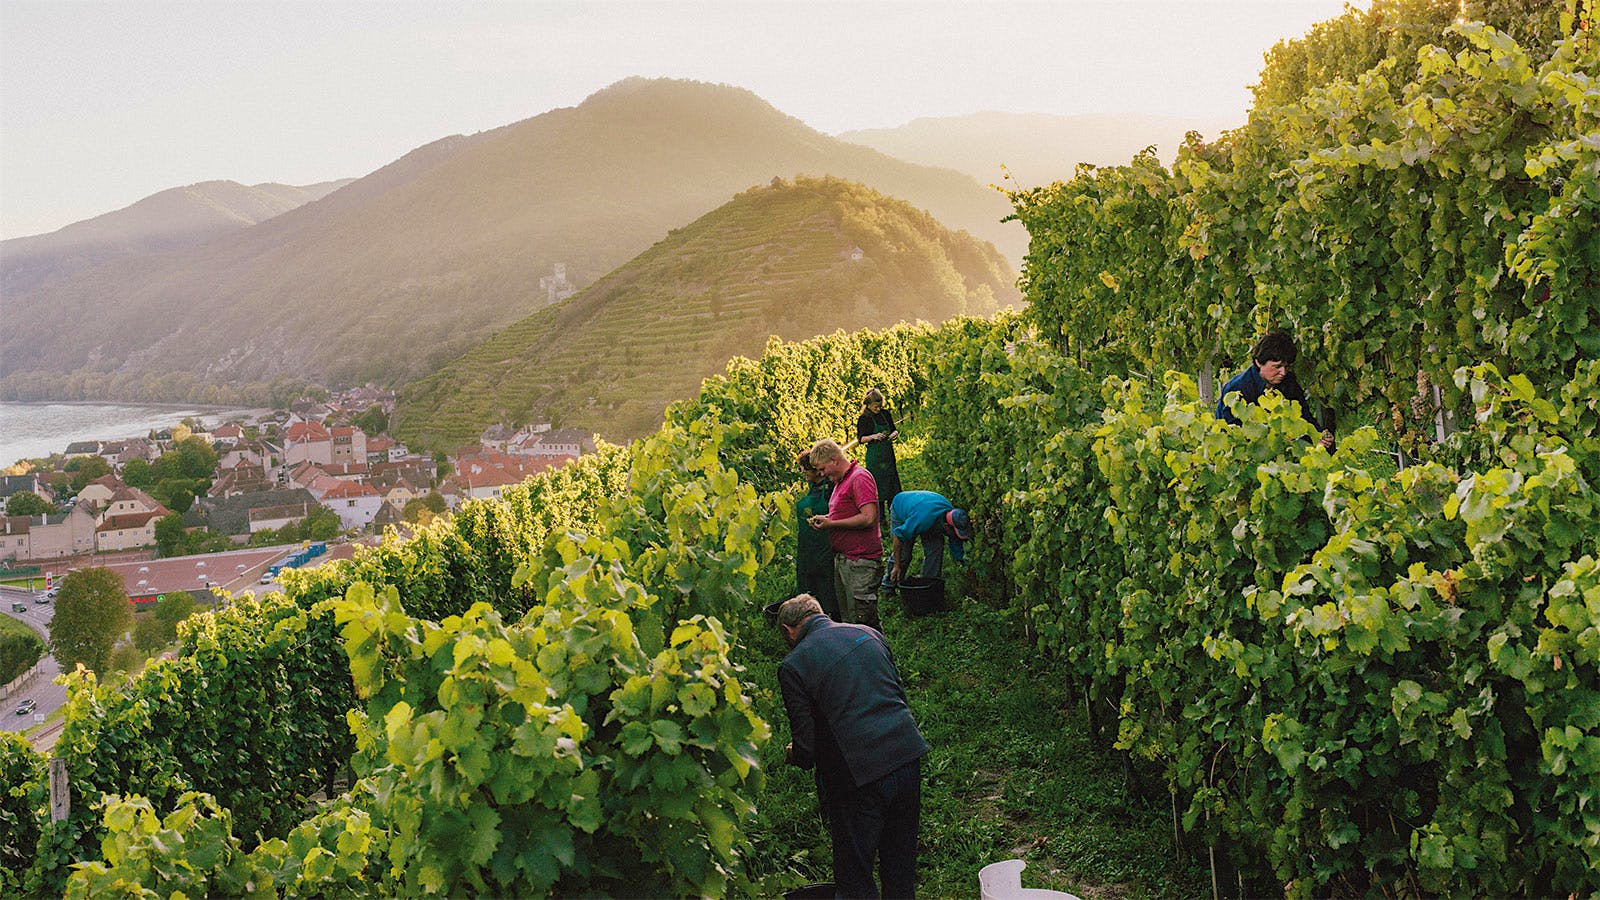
855	582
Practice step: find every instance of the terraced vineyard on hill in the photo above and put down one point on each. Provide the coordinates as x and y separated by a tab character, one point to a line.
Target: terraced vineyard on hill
792	259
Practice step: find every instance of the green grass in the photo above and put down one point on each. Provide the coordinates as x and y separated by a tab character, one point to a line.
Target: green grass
35	583
1011	772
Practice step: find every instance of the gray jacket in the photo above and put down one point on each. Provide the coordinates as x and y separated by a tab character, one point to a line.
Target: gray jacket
847	708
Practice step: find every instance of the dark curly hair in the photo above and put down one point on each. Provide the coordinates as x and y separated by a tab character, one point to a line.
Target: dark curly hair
1274	346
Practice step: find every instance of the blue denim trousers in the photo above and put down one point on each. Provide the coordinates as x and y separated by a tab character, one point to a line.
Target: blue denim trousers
932	551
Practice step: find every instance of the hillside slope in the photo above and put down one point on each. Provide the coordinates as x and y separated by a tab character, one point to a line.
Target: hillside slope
780	259
160	223
1035	148
414	264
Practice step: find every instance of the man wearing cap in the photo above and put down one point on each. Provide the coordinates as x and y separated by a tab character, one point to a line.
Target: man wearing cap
851	722
931	519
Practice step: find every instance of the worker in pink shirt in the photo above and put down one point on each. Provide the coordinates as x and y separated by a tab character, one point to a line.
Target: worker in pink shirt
852	527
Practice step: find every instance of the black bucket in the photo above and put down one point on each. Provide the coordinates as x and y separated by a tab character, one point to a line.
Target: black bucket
822	890
922	596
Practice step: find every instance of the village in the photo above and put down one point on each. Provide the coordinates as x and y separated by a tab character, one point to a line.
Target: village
280	480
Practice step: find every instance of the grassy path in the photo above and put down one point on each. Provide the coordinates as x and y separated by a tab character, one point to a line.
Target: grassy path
1011	773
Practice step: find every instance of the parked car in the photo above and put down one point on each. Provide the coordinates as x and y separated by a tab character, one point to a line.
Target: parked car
25	707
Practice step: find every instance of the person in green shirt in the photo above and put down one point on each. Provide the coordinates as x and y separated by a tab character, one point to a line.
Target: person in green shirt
813	555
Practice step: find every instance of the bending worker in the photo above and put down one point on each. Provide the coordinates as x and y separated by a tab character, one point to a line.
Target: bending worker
850	719
929	518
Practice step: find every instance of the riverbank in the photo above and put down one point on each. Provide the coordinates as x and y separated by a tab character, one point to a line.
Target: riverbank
33	429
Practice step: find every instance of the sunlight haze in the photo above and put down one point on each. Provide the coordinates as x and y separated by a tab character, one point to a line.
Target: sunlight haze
102	104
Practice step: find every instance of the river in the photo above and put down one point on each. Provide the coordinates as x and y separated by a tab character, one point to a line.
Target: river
29	430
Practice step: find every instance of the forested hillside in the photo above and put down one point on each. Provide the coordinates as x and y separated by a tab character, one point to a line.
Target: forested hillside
791	259
413	265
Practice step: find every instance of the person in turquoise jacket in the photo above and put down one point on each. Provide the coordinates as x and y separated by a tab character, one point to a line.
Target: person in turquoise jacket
930	519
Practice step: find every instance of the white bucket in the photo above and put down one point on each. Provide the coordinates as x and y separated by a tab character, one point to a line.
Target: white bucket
1003	881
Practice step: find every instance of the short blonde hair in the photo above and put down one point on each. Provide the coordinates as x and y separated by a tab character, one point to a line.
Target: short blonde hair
797	609
825	450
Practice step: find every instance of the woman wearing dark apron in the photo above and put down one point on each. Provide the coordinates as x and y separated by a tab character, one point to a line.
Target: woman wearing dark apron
876	431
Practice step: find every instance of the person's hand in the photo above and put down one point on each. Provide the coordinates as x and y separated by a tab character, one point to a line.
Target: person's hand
818	522
897	573
1327	440
788	753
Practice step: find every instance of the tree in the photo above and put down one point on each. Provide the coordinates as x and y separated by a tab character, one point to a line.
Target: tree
19	649
417	511
172	539
170	610
195	458
160	628
176	494
27	503
373	420
321	525
137	473
125	658
148	636
423	509
85	469
92	612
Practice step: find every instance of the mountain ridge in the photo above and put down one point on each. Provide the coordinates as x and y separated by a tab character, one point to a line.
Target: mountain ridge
407	267
162	222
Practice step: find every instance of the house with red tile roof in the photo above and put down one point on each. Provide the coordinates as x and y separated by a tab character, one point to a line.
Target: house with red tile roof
307	442
127	520
487	473
356	504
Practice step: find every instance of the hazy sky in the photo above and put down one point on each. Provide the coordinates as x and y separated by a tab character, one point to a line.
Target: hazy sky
104	103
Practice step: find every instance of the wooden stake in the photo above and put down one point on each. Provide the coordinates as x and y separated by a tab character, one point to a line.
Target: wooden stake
60	798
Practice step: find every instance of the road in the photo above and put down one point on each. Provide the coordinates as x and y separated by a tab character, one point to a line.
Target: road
42	690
